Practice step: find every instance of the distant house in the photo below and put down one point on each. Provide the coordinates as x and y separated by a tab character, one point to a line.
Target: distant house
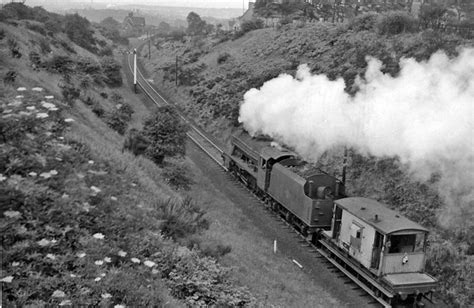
133	25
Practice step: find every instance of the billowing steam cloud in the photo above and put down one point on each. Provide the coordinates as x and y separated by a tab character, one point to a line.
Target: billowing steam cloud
425	116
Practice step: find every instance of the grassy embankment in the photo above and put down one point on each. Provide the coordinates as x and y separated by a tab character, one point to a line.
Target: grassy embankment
84	223
214	76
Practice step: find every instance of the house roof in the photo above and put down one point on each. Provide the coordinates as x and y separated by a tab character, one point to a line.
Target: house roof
136	21
388	221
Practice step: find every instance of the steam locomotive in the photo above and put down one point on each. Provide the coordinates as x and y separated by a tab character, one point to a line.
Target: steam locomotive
383	249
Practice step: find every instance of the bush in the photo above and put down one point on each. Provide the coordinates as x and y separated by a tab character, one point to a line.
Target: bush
44	45
364	22
14	49
135	142
35	59
177	176
111	70
222	57
61	64
396	22
70	93
98	110
166	133
36	28
250	25
117	122
9	77
182	218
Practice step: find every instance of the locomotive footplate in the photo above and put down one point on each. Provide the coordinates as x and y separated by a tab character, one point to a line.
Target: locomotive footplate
407	282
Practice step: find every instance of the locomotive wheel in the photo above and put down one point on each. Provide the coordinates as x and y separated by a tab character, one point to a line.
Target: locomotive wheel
289	217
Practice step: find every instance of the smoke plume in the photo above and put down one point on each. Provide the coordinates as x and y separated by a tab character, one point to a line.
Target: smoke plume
424	116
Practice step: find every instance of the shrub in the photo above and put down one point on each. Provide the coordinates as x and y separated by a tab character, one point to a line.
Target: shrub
36	28
125	110
177	176
70	93
35	59
98	110
222	57
135	142
166	133
182	218
116	121
364	22
111	70
44	45
2	34
9	77
78	30
250	25
395	22
14	49
61	64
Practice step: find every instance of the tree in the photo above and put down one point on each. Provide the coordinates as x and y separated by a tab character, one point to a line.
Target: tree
78	30
196	26
432	16
166	134
110	23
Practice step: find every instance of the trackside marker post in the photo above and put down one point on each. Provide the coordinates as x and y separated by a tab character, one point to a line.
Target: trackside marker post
135	70
275	246
297	263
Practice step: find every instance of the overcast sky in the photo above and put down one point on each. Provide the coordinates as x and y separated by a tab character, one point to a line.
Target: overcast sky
185	3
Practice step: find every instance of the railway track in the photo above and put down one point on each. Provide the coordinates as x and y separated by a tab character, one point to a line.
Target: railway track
213	151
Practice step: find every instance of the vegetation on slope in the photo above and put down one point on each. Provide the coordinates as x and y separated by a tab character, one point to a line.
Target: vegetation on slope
214	74
83	222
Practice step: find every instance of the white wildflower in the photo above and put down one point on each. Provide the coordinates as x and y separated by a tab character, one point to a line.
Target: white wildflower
98	236
61	138
65	302
81	254
15	103
21	89
11	214
73	275
113	198
49	97
58	293
133	184
2	177
107	260
96	189
33	174
51	256
99	262
102	275
48	105
91	162
37	89
41	115
53	172
106	295
45	175
155	271
43	242
97	279
19	96
68	120
31	107
15	264
122	253
7	111
135	260
7	279
119	306
149	263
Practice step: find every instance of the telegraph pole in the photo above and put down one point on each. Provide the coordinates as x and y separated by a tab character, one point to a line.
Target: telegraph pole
149	45
135	70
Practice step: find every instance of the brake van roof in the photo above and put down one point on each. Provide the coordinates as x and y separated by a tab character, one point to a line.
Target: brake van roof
388	221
